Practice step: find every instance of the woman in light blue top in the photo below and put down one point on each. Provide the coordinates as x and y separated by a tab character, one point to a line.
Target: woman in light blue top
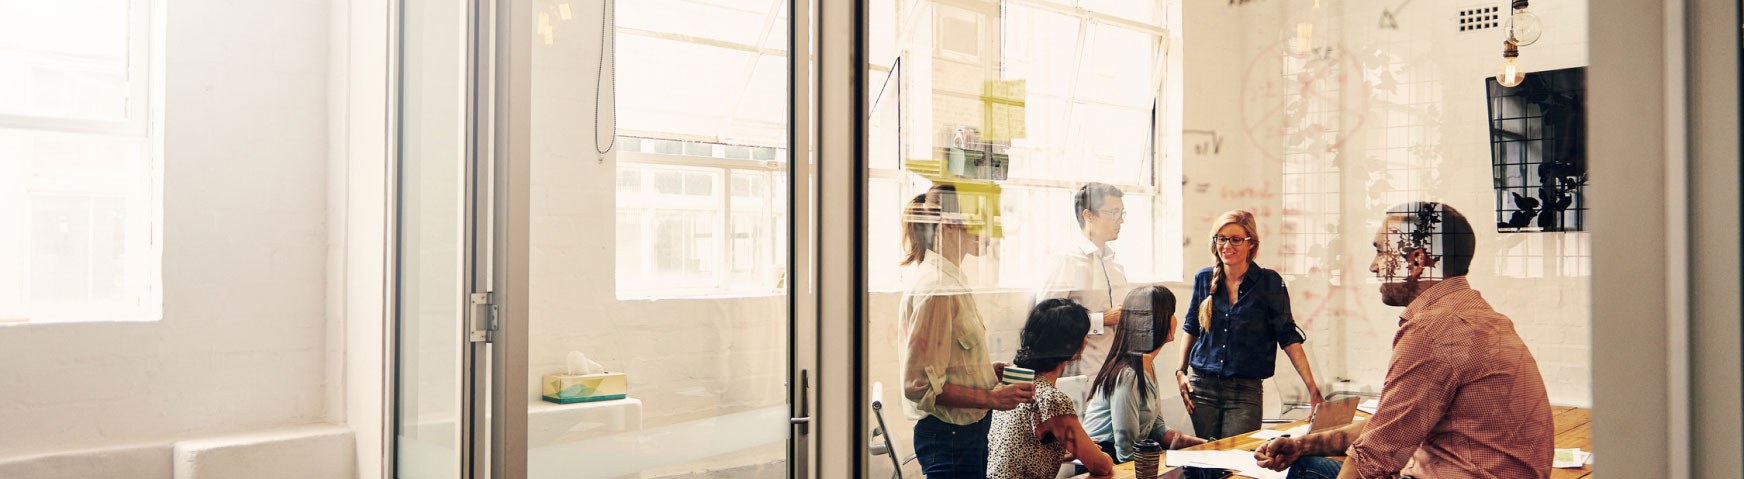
1125	400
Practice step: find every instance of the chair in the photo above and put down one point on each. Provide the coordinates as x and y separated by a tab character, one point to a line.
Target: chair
881	435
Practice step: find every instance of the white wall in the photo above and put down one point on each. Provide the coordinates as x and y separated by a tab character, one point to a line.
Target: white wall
243	342
1435	122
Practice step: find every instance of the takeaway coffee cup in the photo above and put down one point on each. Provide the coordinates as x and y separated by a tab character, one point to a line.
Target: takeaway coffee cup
1146	456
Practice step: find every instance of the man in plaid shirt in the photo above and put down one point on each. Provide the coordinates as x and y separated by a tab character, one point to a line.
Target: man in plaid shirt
1462	398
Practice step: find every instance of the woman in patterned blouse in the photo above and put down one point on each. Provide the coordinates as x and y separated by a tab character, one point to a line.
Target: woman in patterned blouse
1032	440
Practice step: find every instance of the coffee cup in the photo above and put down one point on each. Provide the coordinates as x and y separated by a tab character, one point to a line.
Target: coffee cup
1017	375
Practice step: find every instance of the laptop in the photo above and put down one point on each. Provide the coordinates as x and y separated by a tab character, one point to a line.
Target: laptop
1332	414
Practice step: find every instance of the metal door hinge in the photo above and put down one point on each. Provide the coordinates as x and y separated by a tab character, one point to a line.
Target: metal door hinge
482	310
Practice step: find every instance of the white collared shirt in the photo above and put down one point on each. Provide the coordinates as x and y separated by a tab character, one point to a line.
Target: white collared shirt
1089	276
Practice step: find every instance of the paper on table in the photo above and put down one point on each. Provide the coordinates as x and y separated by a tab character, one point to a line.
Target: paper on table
1570	458
1241	461
1270	434
1369	406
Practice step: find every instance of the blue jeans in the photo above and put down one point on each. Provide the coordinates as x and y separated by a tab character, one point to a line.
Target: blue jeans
1315	467
947	450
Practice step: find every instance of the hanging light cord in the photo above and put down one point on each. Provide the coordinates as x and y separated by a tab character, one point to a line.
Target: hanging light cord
606	14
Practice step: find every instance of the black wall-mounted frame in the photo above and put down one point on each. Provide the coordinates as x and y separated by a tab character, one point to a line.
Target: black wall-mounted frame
1538	151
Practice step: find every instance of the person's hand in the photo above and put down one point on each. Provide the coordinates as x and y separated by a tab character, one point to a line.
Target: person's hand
1006	397
1314	398
999	369
1101	461
1278	454
1186	441
1186	389
1111	317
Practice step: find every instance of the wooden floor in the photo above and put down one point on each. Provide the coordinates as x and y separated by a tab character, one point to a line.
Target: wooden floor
1573	430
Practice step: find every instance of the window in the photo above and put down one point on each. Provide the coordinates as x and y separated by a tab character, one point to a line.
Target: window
78	180
701	156
1538	151
1041	97
698	219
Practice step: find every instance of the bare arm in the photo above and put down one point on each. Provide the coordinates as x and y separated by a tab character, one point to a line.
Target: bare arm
1078	442
1181	375
1280	453
1299	358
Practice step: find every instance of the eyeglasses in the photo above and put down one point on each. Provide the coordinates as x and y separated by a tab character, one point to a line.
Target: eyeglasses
1121	214
1230	240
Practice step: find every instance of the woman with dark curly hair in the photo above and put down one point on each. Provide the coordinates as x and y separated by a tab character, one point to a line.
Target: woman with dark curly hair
1032	440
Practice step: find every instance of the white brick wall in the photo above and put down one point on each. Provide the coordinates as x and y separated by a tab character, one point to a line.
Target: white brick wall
241	342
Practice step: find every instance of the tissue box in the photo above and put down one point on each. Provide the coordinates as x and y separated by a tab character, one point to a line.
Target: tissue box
565	389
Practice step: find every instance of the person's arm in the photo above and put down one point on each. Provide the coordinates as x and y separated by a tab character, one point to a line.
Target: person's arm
930	343
1180	374
1289	336
1190	336
1175	439
1278	454
1123	406
1299	359
1172	438
1417	391
1066	427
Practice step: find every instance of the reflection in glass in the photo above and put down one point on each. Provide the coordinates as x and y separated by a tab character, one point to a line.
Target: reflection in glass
662	261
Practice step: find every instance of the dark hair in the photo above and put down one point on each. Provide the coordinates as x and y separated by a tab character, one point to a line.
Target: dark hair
1052	335
921	219
1090	197
1438	229
1136	336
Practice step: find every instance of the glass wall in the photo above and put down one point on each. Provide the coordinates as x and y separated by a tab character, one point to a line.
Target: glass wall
1092	148
430	229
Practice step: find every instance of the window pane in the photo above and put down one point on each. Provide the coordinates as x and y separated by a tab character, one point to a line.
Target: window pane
65	59
75	228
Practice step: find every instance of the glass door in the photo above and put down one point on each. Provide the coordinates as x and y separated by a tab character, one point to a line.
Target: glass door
595	260
436	411
659	324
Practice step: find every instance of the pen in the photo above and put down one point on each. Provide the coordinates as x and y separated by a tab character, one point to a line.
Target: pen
1263	444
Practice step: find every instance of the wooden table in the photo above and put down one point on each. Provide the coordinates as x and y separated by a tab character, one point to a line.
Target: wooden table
1573	430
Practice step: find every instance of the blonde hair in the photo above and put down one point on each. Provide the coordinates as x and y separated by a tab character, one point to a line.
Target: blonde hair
1246	221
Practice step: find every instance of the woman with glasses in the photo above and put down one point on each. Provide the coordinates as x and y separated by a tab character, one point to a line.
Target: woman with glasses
1239	317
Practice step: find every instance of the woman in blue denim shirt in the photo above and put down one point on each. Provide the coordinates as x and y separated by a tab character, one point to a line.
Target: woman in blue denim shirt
1239	317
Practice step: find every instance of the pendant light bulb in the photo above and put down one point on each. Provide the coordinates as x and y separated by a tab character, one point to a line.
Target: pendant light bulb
1523	27
1510	74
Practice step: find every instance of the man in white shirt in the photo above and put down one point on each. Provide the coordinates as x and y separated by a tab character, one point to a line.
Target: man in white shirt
1087	273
